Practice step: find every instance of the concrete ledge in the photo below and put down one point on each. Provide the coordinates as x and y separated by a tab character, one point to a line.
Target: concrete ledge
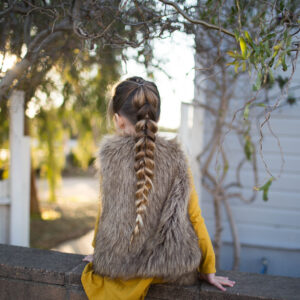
28	273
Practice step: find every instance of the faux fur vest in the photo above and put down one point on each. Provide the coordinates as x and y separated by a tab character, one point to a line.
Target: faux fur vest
167	245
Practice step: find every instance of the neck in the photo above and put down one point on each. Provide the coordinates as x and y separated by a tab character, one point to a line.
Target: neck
125	133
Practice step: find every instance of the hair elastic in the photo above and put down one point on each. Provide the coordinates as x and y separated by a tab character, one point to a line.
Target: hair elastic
140	82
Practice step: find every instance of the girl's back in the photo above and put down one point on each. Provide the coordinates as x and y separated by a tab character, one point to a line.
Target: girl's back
167	245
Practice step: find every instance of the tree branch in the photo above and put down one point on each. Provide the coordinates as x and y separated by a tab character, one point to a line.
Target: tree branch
235	235
40	42
194	21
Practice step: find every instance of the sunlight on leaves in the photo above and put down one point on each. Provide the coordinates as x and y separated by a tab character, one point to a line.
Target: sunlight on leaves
50	215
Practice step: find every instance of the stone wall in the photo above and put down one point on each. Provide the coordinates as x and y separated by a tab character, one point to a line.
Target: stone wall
34	274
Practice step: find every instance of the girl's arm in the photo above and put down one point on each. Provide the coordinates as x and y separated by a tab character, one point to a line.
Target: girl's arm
207	264
207	267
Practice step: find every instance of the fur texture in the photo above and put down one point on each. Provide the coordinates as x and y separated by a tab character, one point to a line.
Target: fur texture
167	246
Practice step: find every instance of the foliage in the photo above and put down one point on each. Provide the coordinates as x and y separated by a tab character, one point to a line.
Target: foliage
249	42
63	98
265	188
50	145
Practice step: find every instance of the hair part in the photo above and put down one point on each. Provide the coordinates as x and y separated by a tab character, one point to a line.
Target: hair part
139	101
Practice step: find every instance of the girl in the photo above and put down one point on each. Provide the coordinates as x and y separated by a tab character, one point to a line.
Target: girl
149	227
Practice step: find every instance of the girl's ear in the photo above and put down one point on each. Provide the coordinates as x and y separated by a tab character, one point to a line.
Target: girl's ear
119	120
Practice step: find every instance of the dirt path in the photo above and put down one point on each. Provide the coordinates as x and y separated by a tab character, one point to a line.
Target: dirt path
76	207
81	245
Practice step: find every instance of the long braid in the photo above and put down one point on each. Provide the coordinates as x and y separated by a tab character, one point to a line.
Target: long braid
138	100
145	102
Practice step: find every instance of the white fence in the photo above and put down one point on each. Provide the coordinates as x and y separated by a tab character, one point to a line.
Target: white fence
4	211
15	192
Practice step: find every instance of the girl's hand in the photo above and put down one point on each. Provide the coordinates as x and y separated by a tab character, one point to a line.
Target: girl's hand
217	280
88	258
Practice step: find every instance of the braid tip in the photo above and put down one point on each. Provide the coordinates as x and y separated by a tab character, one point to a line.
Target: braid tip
131	239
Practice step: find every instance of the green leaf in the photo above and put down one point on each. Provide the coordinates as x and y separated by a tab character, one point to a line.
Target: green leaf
284	66
248	148
267	48
249	70
244	65
247	35
246	111
271	77
288	41
271	62
256	49
236	34
291	100
278	46
285	35
261	104
243	46
231	63
226	167
282	81
275	53
236	66
232	53
281	5
279	62
265	188
257	84
248	38
270	35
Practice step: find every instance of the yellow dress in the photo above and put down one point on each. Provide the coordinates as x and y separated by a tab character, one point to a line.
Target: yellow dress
103	288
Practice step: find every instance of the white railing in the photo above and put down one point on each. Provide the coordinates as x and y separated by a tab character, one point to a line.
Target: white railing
4	192
19	189
15	192
4	211
191	137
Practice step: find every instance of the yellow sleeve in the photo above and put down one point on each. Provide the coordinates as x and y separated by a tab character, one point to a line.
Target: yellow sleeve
97	219
207	264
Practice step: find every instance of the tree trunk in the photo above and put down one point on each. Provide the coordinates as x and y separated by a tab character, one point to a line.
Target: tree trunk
34	201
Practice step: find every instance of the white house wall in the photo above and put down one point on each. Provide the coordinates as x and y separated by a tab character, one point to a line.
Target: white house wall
270	229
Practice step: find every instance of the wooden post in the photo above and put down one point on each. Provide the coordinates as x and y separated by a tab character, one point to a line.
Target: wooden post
191	129
191	137
19	173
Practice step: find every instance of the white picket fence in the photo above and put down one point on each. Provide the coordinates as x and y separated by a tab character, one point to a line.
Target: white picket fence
4	211
15	192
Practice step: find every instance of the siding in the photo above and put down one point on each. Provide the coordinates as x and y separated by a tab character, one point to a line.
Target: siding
276	222
270	228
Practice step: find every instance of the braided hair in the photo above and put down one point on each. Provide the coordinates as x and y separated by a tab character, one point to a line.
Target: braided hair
139	101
